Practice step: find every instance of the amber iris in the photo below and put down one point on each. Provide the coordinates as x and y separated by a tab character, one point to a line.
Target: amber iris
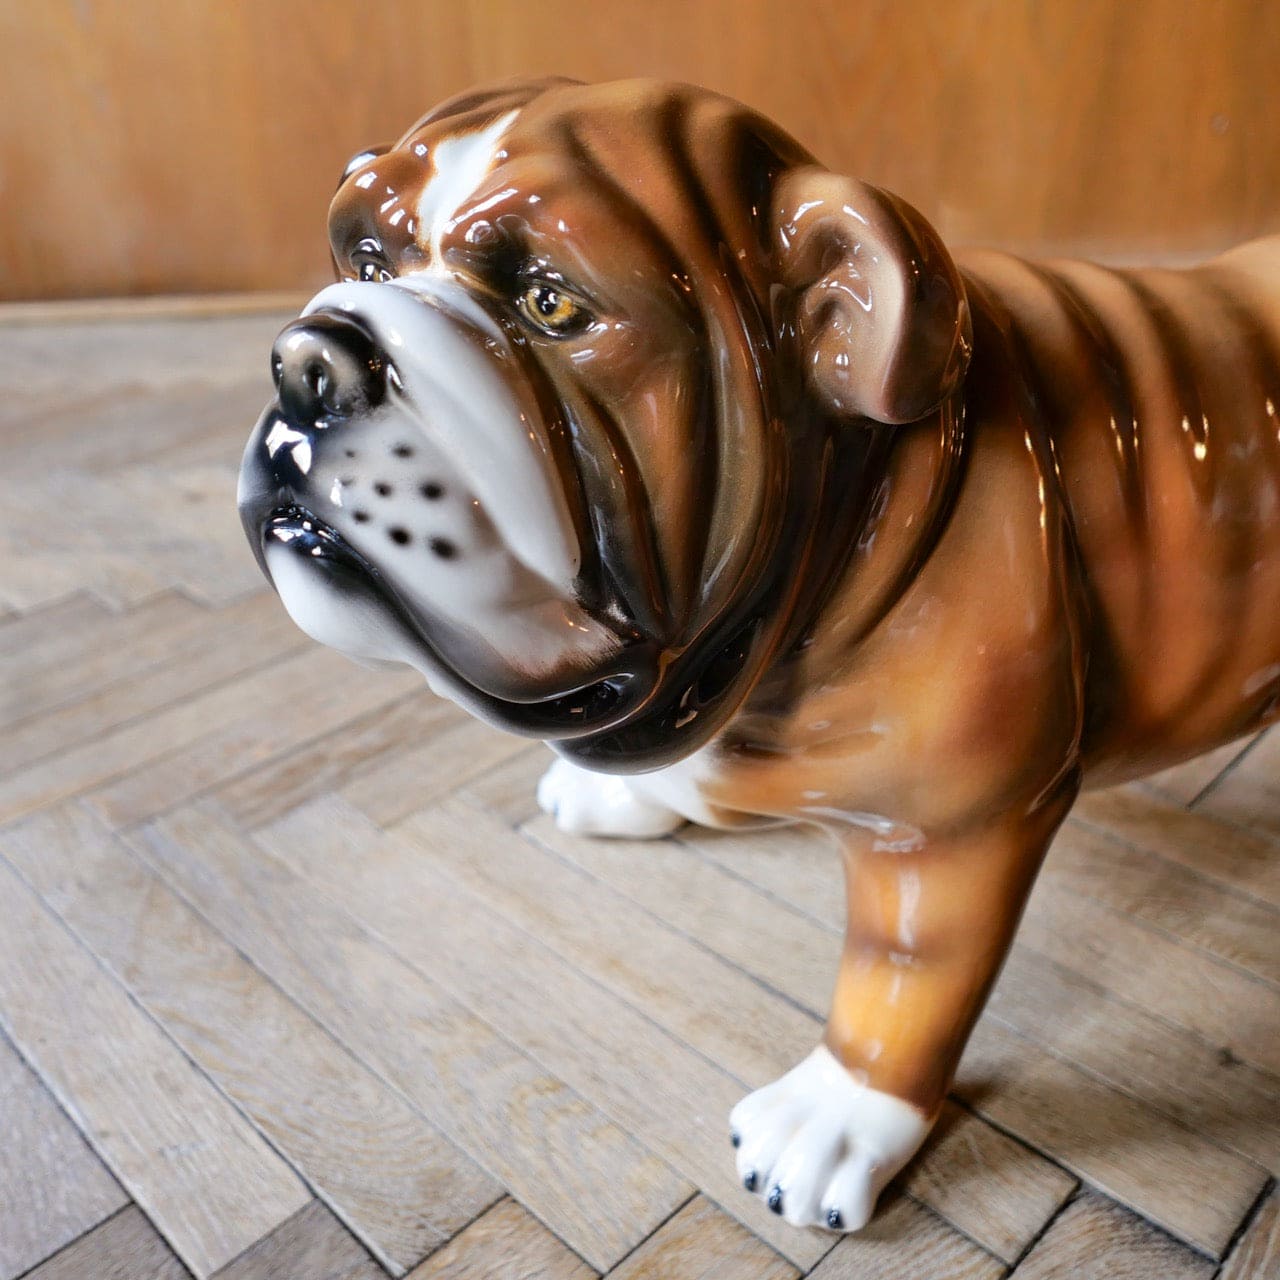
549	308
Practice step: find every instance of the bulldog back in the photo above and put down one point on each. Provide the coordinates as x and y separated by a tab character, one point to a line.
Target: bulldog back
1161	392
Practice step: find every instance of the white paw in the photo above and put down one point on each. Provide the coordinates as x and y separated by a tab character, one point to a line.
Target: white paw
601	804
819	1147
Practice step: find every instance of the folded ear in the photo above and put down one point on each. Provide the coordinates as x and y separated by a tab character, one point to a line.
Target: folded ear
880	311
362	158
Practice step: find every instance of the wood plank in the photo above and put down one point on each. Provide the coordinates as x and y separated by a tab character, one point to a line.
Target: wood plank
702	1243
1095	1238
1164	1066
1239	859
392	1177
180	1149
1256	1255
798	865
653	1086
905	1241
1117	1144
52	1187
1156	973
1249	794
77	656
364	744
416	778
284	706
508	790
235	641
1184	783
312	1245
1190	907
990	1187
125	1247
593	1183
507	1241
781	949
36	643
710	1005
287	688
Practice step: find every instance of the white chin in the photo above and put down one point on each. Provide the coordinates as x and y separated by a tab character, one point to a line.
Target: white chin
355	627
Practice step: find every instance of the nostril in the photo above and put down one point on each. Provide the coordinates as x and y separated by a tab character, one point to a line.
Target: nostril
316	377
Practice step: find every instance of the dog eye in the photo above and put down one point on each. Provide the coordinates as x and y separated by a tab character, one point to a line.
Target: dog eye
551	309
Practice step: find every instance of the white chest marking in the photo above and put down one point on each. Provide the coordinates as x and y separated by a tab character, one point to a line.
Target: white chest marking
461	164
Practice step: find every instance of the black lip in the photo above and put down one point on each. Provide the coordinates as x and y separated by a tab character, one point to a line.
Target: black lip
592	708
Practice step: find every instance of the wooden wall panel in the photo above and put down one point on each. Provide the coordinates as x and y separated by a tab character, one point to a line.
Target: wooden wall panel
182	145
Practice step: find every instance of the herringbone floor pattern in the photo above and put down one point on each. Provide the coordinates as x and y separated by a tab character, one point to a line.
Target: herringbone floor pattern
295	981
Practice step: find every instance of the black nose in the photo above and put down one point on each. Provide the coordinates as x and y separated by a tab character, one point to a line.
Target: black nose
326	366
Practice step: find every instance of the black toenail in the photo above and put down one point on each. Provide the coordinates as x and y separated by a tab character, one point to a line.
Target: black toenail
775	1200
750	1181
834	1219
735	1137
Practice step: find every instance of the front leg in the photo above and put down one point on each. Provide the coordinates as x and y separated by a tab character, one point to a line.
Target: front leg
928	930
602	804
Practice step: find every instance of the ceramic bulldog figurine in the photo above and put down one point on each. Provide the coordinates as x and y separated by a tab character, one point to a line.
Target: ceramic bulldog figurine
635	429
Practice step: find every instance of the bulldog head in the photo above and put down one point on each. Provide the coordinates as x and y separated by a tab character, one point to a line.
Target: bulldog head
596	407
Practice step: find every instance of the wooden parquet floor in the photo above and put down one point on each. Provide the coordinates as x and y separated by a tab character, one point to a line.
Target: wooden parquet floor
296	982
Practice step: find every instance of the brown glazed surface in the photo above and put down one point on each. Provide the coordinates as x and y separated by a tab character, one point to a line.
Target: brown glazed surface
915	545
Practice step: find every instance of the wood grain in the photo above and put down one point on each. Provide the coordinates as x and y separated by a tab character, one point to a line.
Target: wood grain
1249	795
596	1185
906	1241
125	1247
702	1243
653	1086
1115	1143
264	715
989	1186
1214	849
415	777
1256	1255
401	1186
364	744
1096	1239
231	642
313	1245
181	1150
52	1187
507	1241
1184	783
1100	125
1189	907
